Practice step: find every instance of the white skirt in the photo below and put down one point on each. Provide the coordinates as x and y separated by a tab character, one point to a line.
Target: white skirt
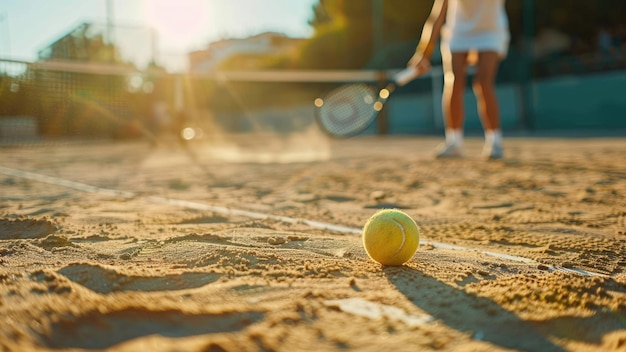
485	41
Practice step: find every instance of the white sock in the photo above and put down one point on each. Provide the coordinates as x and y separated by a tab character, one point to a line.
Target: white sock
493	137
454	137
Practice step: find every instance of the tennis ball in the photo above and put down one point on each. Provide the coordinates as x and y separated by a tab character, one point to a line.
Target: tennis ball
391	237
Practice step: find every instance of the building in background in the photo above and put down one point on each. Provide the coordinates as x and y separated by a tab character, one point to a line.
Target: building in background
244	53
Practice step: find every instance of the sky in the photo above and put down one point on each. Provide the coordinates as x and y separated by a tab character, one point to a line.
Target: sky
26	26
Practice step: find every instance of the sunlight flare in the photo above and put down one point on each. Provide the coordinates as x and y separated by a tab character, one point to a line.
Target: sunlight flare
178	21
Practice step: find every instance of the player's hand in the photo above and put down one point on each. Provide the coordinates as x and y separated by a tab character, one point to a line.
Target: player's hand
420	62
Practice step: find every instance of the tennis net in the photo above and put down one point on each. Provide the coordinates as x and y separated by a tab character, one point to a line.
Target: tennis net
50	100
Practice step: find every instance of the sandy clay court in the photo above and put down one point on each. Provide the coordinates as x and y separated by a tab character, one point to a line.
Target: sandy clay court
254	245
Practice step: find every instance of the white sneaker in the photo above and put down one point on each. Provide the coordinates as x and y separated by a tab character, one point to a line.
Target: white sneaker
448	151
493	151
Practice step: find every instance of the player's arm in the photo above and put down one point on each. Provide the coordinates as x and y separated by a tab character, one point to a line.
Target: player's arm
430	35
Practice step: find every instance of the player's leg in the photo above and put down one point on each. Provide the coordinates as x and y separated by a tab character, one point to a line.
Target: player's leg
455	80
487	102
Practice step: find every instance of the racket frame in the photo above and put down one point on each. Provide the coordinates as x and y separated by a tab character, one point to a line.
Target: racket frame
400	79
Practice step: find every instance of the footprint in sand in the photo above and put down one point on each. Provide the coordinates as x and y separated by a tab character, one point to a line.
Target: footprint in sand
103	280
26	228
86	330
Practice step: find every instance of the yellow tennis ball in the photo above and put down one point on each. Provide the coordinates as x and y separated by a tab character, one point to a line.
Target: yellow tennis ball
391	237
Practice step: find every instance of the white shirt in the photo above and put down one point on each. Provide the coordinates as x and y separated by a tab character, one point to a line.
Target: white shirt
476	16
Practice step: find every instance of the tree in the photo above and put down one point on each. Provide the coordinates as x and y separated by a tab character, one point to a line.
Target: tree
342	39
343	28
344	31
320	15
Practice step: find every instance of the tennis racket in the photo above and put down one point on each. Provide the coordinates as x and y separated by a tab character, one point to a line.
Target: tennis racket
351	108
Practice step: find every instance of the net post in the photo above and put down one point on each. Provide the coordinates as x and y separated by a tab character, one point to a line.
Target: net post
382	123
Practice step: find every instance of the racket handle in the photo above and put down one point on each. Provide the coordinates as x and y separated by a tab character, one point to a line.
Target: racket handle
405	76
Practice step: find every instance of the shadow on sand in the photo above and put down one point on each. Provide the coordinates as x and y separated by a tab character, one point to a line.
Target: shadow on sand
481	317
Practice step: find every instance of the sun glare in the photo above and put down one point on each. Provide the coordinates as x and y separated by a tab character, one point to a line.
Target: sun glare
178	22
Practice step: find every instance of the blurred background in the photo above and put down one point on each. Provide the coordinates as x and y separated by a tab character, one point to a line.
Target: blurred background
107	69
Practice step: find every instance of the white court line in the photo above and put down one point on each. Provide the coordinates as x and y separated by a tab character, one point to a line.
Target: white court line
256	215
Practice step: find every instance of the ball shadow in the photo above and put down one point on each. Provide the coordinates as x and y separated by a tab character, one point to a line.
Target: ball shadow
481	317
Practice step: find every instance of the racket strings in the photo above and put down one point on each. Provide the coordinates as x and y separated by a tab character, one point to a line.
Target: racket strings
348	109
